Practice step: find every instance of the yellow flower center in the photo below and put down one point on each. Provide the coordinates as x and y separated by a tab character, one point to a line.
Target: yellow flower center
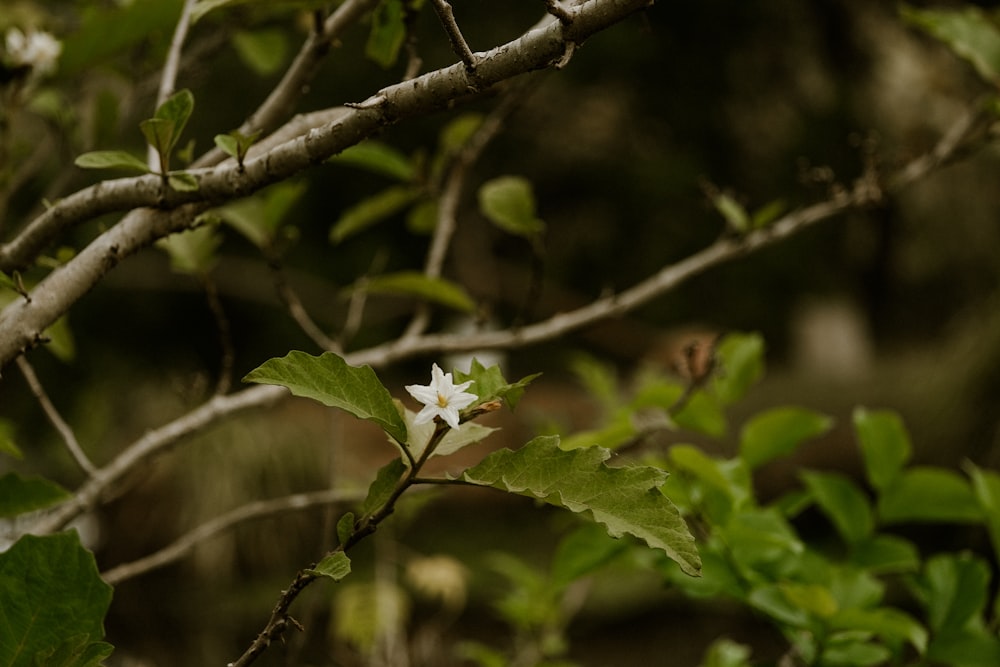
442	401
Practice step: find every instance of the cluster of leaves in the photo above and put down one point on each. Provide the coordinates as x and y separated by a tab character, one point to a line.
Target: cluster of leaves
847	596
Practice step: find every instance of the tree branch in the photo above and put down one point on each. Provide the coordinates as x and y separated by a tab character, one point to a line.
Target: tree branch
865	193
69	438
430	92
186	543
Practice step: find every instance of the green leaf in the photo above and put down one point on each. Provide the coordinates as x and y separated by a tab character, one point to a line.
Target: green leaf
236	144
771	600
422	218
381	489
373	210
489	383
263	51
843	502
51	592
929	494
387	34
203	7
177	110
111	160
740	359
724	652
624	500
965	649
509	203
7	444
259	217
379	158
331	381
182	181
954	590
27	494
192	252
77	651
762	538
970	32
885	444
702	414
160	134
733	212
986	486
60	340
768	213
419	436
885	554
345	527
458	131
336	566
583	551
779	432
421	286
892	625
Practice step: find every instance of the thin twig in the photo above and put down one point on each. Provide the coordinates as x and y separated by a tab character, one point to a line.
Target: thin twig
458	43
186	543
225	379
297	310
69	438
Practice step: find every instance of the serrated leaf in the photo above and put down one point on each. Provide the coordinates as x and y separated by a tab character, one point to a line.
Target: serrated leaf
182	181
928	494
373	210
779	432
336	566
421	286
509	203
26	494
379	158
843	503
111	160
969	32
624	500
51	591
387	33
192	252
740	359
884	442
263	51
331	381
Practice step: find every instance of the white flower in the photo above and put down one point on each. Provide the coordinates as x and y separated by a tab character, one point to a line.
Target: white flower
441	398
38	50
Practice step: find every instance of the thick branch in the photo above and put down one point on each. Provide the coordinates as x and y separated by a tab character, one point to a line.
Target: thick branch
431	92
